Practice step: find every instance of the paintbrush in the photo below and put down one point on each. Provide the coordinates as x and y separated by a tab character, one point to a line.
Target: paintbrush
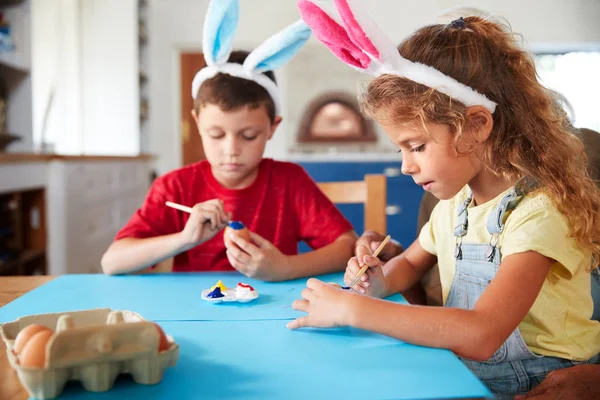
186	209
366	267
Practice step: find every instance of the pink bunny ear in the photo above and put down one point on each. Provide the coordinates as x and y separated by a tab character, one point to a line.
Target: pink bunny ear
334	36
365	33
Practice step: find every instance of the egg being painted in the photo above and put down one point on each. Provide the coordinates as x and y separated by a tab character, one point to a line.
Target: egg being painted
239	229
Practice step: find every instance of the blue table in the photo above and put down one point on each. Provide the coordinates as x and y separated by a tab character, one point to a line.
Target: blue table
245	351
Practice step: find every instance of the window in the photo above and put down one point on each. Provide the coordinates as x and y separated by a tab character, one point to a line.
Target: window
576	76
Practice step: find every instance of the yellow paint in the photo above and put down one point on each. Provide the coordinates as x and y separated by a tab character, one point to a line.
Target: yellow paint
220	286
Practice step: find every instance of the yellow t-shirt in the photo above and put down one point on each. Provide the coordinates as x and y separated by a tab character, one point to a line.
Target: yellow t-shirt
558	324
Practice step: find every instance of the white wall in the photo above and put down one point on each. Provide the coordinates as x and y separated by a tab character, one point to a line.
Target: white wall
177	24
16	78
56	75
110	88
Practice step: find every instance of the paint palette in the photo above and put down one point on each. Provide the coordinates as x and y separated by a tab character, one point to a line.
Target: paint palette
218	293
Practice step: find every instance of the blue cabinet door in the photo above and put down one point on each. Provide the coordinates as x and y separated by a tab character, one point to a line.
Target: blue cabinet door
403	195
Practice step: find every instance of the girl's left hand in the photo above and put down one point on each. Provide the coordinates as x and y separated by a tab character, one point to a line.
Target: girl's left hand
258	259
326	305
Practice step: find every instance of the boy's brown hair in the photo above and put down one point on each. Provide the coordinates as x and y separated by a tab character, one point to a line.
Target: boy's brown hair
231	93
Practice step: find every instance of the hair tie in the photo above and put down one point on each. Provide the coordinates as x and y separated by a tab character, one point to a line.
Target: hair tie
458	23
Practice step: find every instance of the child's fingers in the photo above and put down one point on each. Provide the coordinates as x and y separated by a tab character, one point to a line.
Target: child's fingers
259	240
351	270
371	261
375	245
362	251
300	305
245	245
359	288
215	209
236	264
205	214
315	284
239	255
307	294
298	323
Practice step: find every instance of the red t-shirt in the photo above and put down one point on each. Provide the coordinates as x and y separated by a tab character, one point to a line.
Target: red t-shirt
283	205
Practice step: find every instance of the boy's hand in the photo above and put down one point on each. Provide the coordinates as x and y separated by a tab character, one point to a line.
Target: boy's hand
372	240
326	305
205	221
258	260
372	282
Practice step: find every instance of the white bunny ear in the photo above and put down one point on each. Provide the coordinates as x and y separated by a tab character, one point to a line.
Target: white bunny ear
278	49
220	25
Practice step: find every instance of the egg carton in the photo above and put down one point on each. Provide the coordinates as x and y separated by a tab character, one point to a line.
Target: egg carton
93	347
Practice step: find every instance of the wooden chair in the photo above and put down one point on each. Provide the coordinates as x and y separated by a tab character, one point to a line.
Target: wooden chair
372	191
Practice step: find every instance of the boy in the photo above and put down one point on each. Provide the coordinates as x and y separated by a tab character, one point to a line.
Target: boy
277	201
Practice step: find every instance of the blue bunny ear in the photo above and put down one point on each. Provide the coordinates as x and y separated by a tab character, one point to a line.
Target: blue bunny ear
220	25
278	49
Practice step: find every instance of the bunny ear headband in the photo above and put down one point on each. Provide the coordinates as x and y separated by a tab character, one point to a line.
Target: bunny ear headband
365	47
219	29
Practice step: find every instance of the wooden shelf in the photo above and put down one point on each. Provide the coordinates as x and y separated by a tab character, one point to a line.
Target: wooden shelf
8	158
25	258
25	244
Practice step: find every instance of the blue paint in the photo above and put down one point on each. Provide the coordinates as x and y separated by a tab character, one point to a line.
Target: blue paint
215	294
346	287
237	225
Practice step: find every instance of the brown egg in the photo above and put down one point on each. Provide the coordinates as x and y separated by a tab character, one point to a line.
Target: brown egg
25	334
163	343
239	229
34	352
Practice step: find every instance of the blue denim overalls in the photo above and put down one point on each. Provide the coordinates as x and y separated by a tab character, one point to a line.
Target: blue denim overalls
596	293
513	368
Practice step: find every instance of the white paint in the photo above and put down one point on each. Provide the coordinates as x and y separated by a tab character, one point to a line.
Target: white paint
176	24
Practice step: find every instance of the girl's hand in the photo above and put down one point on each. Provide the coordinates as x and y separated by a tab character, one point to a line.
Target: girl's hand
205	220
372	283
259	259
372	240
326	305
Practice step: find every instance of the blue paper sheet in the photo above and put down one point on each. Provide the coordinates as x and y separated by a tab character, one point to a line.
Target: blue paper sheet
161	297
264	360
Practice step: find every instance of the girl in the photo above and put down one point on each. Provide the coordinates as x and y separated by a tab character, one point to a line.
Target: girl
518	225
